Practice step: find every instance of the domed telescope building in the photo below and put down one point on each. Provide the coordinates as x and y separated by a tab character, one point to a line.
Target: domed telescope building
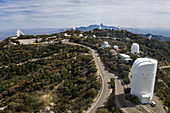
105	44
143	78
134	48
80	35
73	28
19	33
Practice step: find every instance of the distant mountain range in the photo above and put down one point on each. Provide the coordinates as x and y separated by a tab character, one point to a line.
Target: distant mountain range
91	27
158	37
36	31
155	32
162	34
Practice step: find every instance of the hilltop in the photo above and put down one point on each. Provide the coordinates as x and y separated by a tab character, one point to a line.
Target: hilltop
65	75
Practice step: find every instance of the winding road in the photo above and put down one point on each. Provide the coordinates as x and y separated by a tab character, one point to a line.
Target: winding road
106	90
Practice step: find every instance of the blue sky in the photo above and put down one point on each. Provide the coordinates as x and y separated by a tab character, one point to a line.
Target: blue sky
16	14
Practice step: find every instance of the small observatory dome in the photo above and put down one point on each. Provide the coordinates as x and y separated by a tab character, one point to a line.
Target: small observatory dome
134	48
80	35
115	47
65	34
94	36
143	78
149	37
73	28
105	44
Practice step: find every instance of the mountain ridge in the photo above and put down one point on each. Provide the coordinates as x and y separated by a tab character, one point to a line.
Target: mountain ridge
136	31
38	31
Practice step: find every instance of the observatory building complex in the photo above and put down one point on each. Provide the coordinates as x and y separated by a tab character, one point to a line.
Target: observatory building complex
134	48
143	78
18	33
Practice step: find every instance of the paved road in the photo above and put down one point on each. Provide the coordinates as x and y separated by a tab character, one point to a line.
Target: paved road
120	100
106	90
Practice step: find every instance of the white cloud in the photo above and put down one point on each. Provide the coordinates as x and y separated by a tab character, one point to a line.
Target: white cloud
67	13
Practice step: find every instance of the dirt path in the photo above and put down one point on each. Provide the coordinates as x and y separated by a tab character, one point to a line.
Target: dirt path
47	98
30	60
162	67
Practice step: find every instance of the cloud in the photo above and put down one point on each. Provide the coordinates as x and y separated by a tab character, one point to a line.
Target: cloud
67	13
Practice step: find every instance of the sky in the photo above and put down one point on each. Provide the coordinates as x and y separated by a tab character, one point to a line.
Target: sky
15	14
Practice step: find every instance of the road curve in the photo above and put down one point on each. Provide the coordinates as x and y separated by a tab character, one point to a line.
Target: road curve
104	94
105	91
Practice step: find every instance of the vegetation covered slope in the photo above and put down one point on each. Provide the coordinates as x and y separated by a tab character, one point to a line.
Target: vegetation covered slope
63	82
76	70
123	39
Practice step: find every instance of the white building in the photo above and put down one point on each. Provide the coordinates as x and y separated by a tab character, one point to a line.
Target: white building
85	36
19	33
80	35
105	44
65	34
100	27
149	37
115	47
14	37
125	57
134	48
143	78
94	36
73	28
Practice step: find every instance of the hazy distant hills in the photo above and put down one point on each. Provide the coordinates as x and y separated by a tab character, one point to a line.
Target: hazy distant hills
91	27
37	31
162	34
158	37
157	33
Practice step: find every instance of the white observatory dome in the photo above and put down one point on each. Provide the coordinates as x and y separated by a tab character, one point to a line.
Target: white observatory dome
105	44
73	28
134	48
19	33
149	37
94	36
80	35
115	47
65	34
143	78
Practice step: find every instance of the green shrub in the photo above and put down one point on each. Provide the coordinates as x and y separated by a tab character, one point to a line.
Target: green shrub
103	110
134	99
127	90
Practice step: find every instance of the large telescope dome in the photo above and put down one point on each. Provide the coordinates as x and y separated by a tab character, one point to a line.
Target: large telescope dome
143	78
134	48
